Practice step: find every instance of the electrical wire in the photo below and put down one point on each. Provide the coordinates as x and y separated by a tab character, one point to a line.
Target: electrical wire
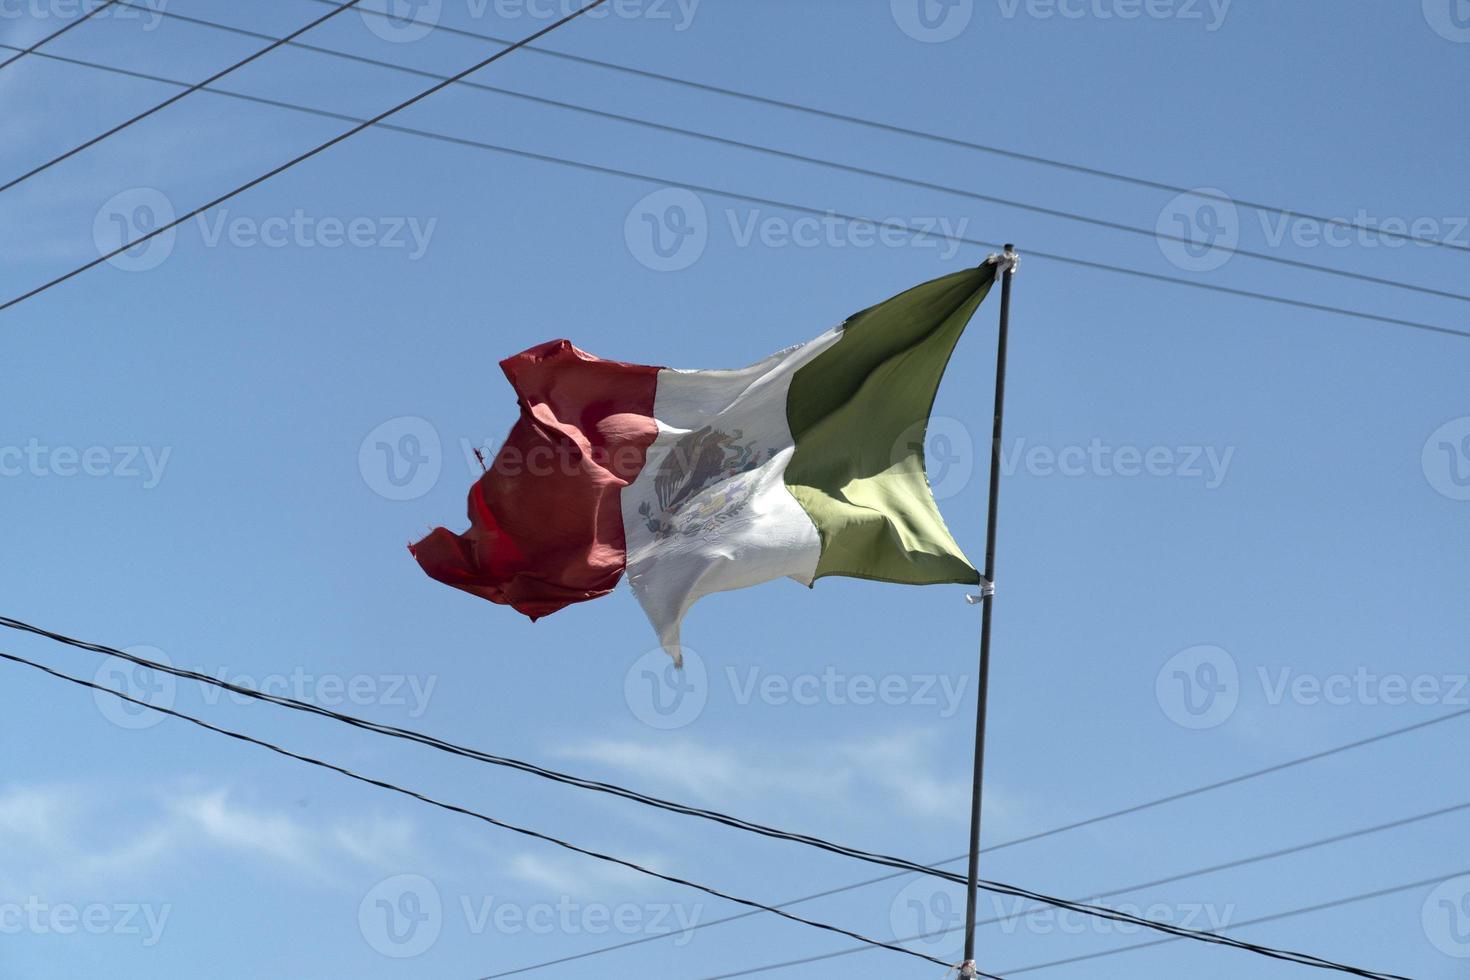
300	158
1113	893
57	33
454	808
714	191
938	138
196	86
1320	907
834	164
725	819
1064	828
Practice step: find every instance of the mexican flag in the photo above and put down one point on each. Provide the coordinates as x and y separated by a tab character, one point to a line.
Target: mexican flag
807	464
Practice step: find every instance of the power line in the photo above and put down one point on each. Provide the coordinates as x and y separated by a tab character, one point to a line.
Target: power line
715	191
1320	907
466	752
833	164
363	124
454	808
57	33
1113	893
725	819
175	97
1064	828
939	138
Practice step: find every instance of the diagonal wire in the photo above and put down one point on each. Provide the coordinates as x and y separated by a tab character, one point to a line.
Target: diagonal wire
939	138
1320	907
22	52
1113	893
718	192
882	859
454	808
300	158
834	164
1064	828
175	97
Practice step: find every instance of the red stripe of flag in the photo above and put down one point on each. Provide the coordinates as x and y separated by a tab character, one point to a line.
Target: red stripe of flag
546	521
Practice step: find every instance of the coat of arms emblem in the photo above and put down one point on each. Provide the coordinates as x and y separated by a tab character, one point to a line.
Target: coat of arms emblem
700	460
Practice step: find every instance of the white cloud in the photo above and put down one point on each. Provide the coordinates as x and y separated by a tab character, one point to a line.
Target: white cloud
59	836
578	876
230	825
903	770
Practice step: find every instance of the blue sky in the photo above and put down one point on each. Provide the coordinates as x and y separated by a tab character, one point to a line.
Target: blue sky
1233	532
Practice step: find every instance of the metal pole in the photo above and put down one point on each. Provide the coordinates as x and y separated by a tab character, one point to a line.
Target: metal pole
972	898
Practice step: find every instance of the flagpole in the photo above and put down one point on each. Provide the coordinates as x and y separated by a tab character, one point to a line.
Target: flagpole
987	600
